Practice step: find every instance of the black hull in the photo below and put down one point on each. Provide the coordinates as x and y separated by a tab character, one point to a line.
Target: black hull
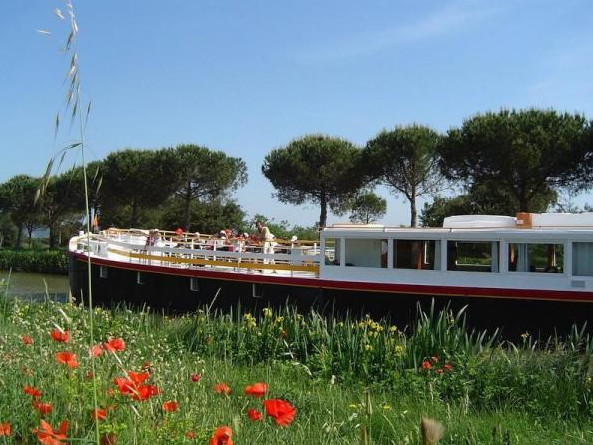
171	293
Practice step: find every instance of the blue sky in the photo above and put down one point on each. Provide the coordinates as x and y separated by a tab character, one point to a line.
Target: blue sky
248	77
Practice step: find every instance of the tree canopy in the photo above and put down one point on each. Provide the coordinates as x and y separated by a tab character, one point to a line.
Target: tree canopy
526	155
320	169
203	175
405	160
367	207
136	179
17	199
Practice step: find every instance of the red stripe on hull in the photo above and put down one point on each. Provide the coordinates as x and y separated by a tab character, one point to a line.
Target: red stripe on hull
356	286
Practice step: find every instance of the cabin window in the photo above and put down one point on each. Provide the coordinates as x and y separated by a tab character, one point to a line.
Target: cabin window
582	259
194	284
417	254
257	290
332	251
139	278
102	272
532	257
364	252
472	256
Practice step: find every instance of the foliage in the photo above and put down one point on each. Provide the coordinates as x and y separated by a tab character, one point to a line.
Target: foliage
405	159
7	230
35	260
208	217
367	207
203	175
481	199
138	179
17	199
527	155
315	168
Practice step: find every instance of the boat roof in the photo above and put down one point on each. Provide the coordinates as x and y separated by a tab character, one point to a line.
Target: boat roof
552	223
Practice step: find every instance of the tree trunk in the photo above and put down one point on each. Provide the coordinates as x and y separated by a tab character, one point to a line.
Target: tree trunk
413	211
19	236
187	216
323	215
52	236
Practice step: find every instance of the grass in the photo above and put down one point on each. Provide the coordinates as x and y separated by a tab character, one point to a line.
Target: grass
351	381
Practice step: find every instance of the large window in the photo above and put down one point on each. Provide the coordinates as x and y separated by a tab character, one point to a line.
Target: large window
332	251
364	252
582	259
531	257
417	254
472	256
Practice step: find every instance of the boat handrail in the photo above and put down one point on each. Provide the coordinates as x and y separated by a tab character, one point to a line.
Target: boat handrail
289	258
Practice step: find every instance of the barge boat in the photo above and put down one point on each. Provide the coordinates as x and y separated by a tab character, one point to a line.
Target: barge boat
532	272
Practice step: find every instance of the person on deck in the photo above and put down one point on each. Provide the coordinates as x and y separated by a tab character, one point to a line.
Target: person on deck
266	237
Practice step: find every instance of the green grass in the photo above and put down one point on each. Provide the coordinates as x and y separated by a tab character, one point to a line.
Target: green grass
348	380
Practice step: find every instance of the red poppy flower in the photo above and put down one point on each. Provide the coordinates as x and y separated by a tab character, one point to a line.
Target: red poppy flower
434	359
43	408
32	391
258	389
254	414
27	340
222	436
60	336
222	388
138	377
99	414
448	367
47	436
96	351
280	410
426	365
170	406
190	435
5	429
195	377
67	358
115	344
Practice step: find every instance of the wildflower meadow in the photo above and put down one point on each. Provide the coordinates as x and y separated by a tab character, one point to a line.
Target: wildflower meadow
281	378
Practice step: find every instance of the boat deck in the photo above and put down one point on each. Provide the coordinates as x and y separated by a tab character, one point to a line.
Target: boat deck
289	259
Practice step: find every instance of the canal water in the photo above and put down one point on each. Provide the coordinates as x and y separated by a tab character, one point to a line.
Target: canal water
34	286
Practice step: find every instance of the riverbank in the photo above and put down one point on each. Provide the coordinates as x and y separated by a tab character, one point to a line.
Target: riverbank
284	378
45	261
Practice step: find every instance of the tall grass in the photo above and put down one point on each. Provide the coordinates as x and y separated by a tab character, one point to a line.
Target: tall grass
440	353
344	391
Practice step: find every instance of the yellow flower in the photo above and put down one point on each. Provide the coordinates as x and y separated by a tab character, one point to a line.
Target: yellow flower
267	312
368	348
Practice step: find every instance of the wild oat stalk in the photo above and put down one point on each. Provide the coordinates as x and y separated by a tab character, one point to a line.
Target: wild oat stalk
72	108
